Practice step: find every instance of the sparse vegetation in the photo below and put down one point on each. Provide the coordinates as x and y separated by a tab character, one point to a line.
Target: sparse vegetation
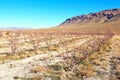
79	56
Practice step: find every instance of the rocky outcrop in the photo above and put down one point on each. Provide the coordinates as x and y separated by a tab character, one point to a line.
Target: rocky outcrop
101	16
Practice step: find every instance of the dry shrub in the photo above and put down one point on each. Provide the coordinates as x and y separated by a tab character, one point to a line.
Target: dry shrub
36	78
96	62
38	69
53	48
118	67
78	57
85	70
2	59
58	66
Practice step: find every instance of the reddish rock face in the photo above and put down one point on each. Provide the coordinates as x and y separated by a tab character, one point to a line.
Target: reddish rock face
103	15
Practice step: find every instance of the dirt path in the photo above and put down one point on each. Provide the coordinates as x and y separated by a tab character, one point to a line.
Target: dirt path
22	67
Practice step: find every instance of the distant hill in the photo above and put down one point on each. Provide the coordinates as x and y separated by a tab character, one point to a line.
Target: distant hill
99	17
14	28
103	21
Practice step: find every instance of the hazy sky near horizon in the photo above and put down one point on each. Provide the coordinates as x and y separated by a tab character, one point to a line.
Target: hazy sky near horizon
47	13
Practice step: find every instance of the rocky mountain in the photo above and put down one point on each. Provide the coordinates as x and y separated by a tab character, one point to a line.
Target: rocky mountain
98	17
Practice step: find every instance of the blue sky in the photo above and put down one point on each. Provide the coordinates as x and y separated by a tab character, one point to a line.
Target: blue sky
47	13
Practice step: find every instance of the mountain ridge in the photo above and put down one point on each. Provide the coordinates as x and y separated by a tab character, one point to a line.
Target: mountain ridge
97	17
